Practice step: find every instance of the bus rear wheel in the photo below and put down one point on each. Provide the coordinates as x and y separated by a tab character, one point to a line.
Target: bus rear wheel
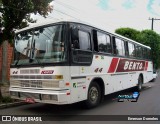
94	95
140	82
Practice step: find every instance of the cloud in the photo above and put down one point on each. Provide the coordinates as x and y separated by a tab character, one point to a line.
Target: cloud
129	4
116	4
154	7
103	4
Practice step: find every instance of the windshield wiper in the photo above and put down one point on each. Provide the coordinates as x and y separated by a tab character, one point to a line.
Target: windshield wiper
17	62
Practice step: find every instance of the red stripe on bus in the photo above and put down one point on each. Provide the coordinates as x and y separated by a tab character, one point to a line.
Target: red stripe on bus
113	65
146	66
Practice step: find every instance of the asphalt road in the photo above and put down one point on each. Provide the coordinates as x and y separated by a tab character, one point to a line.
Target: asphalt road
147	104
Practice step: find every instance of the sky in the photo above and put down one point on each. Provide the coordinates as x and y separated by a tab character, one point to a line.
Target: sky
111	14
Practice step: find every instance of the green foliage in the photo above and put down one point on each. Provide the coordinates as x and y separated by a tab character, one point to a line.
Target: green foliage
146	37
6	99
152	39
15	14
129	33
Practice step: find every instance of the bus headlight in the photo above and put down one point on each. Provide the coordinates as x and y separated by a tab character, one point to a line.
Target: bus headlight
58	77
14	94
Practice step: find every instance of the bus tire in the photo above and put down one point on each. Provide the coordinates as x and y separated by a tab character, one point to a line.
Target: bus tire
140	82
153	80
94	95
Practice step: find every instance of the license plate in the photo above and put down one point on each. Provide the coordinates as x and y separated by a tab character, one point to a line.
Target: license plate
30	100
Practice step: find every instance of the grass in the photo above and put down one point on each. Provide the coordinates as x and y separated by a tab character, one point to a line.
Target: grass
6	99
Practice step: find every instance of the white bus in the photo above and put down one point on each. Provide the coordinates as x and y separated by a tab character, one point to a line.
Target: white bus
64	62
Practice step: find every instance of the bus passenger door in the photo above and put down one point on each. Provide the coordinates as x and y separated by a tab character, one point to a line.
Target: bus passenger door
81	55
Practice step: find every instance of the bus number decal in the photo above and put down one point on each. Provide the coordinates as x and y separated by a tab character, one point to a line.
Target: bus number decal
98	69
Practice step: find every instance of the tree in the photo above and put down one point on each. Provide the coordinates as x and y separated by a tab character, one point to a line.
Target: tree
146	37
152	39
15	14
128	32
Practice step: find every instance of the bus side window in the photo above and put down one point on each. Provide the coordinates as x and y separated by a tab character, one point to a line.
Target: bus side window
104	43
149	54
144	53
84	40
131	49
126	48
120	47
139	51
81	39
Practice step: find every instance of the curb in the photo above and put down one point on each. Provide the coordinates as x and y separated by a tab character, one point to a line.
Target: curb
8	105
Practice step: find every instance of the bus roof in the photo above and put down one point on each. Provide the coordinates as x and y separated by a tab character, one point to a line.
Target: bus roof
76	21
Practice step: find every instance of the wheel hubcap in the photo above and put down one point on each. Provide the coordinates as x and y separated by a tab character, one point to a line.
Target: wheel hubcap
93	94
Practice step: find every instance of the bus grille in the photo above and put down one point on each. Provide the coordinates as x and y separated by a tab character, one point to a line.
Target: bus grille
31	77
30	95
34	83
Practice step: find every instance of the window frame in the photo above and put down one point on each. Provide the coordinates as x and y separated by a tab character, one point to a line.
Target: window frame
133	46
150	54
114	47
89	39
78	55
139	46
110	40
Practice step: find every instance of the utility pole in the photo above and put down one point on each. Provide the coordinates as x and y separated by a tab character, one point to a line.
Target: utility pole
152	19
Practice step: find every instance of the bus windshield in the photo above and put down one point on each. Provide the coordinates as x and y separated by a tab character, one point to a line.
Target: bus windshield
40	45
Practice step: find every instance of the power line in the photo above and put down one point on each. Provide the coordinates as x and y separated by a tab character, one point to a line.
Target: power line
66	6
66	14
78	11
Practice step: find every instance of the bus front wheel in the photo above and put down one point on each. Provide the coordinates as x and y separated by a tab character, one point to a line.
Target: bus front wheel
94	95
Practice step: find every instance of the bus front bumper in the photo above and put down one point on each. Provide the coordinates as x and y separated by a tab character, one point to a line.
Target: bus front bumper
42	96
